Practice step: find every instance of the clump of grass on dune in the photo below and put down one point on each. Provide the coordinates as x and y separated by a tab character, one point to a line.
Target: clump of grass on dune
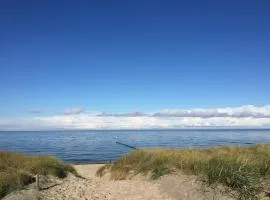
243	169
18	170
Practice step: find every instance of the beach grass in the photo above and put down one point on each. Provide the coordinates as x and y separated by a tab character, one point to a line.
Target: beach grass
242	169
18	170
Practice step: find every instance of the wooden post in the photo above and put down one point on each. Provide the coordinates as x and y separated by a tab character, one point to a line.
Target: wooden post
37	181
126	145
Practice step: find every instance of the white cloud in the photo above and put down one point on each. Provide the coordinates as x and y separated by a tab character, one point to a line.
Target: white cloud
35	110
244	116
239	112
73	111
132	114
85	121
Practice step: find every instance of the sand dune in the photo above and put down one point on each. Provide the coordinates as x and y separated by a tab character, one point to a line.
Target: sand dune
170	187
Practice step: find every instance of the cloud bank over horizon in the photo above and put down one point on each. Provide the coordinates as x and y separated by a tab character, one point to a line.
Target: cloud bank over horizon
238	112
75	118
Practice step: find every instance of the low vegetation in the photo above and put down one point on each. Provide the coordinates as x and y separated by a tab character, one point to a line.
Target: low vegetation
18	170
242	169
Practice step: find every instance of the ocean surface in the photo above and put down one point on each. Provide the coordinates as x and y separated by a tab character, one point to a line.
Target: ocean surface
101	146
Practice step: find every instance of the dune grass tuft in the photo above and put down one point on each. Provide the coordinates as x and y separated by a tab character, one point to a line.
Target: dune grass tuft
18	170
102	170
243	169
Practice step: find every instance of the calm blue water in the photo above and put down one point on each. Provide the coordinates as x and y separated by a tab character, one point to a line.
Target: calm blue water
100	146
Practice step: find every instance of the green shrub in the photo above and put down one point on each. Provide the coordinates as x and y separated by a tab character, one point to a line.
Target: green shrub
158	172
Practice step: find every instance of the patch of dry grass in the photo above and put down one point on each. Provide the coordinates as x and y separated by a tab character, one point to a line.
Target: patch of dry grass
18	170
242	169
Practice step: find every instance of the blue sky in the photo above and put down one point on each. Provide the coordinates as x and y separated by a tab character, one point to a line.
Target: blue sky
129	56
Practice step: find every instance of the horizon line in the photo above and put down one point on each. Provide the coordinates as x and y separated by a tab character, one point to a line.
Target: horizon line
146	129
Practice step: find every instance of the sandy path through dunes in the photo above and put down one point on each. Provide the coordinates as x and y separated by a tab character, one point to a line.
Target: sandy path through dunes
171	187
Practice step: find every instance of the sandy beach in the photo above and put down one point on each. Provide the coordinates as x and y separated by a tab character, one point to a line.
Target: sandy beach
170	187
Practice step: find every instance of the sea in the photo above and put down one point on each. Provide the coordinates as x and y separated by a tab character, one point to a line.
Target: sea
80	147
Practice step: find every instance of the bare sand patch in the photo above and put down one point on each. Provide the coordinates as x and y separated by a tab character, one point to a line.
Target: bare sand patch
169	187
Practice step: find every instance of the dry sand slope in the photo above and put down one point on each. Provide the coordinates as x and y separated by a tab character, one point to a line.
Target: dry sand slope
170	187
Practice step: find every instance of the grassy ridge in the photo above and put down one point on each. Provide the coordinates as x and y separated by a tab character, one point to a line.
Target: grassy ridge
242	169
17	170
